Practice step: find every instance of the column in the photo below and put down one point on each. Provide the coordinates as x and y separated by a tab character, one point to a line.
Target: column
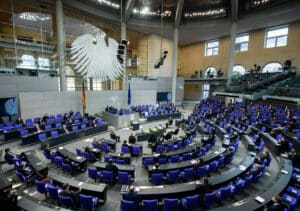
231	53
174	66
60	40
123	37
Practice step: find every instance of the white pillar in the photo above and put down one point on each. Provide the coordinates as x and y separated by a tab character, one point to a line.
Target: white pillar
123	37
60	40
231	53
174	66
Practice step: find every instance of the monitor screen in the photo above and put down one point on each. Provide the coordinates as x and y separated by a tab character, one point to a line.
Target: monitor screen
8	106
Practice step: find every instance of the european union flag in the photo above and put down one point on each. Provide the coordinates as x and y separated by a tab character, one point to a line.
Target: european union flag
129	95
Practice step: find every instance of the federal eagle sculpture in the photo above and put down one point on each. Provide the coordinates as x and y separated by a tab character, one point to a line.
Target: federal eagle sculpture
95	55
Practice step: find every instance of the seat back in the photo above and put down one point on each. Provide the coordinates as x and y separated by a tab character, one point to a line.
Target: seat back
125	149
66	201
123	177
191	202
173	176
54	133
202	171
150	205
87	202
127	205
59	161
209	199
188	173
157	179
40	186
67	167
78	151
53	191
92	172
170	204
108	176
42	136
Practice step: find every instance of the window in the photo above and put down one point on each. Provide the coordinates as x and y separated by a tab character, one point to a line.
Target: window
212	48
272	67
97	85
238	70
206	88
276	37
70	84
27	62
241	43
210	72
43	63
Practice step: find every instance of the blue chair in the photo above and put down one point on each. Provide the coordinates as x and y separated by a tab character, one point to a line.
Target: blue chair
150	205
170	147
173	176
120	161
95	145
88	156
18	126
58	125
175	158
157	179
107	158
162	160
127	205
190	202
170	204
108	177
54	133
47	156
148	161
42	136
186	156
93	173
99	122
88	202
67	167
105	147
209	199
256	178
160	148
52	157
83	126
124	178
74	128
78	152
212	166
48	127
59	161
221	163
24	133
125	149
202	171
225	192
293	191
66	201
41	187
52	191
136	150
24	179
238	187
188	173
291	201
248	181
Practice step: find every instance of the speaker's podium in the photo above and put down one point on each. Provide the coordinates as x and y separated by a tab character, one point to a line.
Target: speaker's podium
135	125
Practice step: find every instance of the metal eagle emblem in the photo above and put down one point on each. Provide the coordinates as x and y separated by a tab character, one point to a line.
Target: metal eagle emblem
96	56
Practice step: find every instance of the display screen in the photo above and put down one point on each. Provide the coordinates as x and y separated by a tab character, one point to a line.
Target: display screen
8	106
163	96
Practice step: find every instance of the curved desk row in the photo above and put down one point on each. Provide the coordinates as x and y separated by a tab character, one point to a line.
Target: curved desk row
66	137
145	136
191	147
126	168
186	189
164	116
35	162
99	189
276	187
164	168
32	205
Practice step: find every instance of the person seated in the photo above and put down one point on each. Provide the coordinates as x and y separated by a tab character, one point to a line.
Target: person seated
9	199
46	149
73	194
176	131
111	167
284	145
132	139
255	170
278	204
258	139
233	137
260	159
132	195
20	121
248	131
167	135
152	138
73	165
170	122
155	169
228	154
114	136
9	156
45	118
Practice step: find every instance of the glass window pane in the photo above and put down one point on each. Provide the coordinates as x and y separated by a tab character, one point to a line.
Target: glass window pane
71	84
272	67
282	41
209	52
213	44
277	32
240	39
215	51
27	62
270	43
244	46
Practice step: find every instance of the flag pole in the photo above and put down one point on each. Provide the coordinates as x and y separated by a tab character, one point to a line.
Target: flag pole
83	98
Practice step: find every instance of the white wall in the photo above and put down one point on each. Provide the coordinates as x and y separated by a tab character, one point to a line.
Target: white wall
154	54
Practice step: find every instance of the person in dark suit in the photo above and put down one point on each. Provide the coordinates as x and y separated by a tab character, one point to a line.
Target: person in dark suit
9	156
204	188
73	194
111	167
132	139
278	204
132	195
72	164
8	199
284	145
46	149
255	170
114	136
20	121
155	169
261	158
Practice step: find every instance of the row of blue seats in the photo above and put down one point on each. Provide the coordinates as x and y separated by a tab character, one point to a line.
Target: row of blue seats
123	178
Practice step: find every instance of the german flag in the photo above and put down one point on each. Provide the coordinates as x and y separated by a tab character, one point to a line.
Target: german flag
83	97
